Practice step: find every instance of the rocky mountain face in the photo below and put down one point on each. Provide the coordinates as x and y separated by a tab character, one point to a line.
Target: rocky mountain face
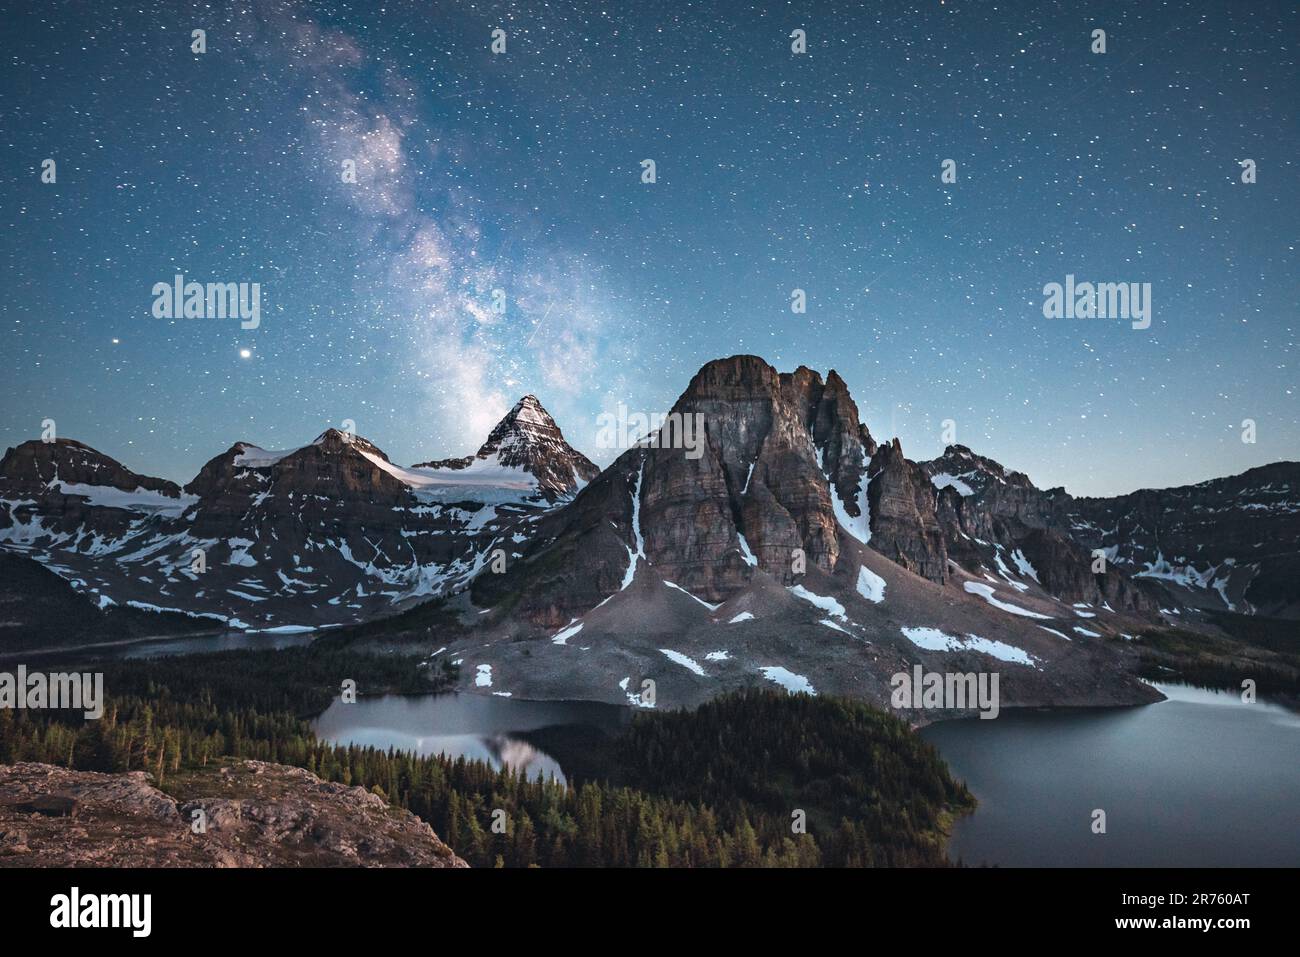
529	440
783	454
77	489
257	815
969	474
993	518
904	519
789	546
1229	543
42	467
788	468
330	532
41	609
762	534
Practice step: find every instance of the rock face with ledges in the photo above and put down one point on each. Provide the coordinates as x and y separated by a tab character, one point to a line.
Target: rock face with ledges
757	477
682	511
780	454
1230	542
67	491
1064	569
330	492
962	468
990	514
336	465
904	523
845	443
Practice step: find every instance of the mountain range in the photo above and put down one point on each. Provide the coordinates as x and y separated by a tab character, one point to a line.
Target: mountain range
792	547
327	533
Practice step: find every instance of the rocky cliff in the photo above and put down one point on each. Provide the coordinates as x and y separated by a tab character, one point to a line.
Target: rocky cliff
1229	543
788	546
782	456
994	518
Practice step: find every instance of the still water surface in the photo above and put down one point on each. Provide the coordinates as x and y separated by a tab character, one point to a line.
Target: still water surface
1199	780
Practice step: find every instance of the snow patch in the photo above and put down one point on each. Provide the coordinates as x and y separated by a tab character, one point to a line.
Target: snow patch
828	605
632	556
239	553
791	682
562	637
932	639
689	595
250	456
985	592
870	585
944	480
140	500
750	558
1023	565
690	664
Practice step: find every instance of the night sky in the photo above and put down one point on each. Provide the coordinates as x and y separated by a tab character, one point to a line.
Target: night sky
776	171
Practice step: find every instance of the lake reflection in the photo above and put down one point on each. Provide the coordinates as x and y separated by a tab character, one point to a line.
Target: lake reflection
204	644
476	727
170	647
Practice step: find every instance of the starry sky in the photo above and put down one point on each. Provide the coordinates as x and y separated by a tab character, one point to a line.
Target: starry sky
776	171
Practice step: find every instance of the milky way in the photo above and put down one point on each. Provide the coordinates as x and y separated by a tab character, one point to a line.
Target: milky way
521	171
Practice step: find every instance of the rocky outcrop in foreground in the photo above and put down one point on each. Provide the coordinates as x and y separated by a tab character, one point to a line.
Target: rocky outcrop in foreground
258	815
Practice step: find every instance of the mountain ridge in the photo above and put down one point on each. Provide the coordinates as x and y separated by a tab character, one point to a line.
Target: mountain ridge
828	554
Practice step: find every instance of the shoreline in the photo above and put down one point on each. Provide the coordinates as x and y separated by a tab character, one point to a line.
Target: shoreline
56	650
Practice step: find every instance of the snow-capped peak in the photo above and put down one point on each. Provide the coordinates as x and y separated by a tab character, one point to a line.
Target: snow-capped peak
969	473
528	440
